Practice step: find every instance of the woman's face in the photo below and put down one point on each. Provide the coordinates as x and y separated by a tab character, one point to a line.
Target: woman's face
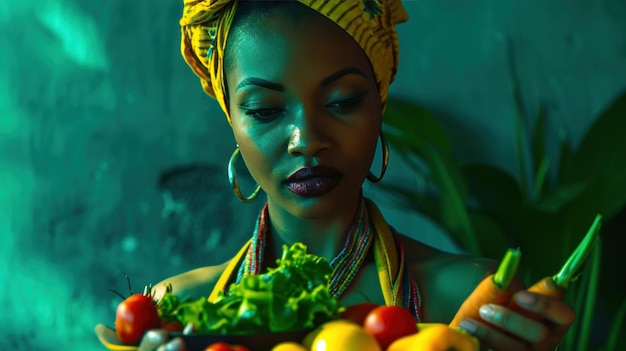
305	112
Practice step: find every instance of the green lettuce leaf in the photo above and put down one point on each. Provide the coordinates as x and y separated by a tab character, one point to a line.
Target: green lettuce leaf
293	295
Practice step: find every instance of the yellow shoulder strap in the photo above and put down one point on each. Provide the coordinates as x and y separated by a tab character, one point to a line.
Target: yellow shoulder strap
386	257
226	275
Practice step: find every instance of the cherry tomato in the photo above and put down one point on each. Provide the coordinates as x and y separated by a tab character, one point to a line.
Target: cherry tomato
357	313
222	346
219	346
388	323
134	316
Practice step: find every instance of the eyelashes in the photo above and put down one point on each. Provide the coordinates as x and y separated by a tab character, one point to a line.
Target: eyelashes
263	114
346	105
340	106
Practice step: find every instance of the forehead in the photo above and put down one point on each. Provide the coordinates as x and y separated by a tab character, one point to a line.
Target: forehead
279	45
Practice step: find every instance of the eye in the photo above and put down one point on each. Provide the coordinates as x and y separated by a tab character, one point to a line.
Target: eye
263	114
346	105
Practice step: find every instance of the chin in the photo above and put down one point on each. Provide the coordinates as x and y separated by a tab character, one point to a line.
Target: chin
319	207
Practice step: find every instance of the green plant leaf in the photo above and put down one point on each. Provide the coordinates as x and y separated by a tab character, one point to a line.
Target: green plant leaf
589	293
606	195
544	234
447	181
556	199
491	238
539	182
492	190
454	211
408	199
520	135
566	154
541	161
411	120
616	329
603	149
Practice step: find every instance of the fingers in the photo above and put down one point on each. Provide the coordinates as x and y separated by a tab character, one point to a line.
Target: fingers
105	333
514	323
153	339
550	309
176	344
491	338
539	324
158	340
189	328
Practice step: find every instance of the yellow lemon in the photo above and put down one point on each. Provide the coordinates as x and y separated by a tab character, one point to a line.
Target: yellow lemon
343	336
308	339
289	346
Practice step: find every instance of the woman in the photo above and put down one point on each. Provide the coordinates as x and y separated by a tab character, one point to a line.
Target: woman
304	85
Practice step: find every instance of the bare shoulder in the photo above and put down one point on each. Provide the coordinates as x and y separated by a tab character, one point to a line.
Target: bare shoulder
444	279
195	283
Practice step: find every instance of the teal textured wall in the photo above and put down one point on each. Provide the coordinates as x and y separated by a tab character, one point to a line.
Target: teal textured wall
113	160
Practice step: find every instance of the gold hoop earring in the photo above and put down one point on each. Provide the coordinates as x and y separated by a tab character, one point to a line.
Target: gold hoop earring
232	179
370	176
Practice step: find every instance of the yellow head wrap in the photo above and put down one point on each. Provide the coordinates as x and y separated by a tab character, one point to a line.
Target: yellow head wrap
205	25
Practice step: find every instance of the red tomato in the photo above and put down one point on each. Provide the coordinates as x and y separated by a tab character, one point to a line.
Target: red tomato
134	316
357	313
219	346
222	346
389	323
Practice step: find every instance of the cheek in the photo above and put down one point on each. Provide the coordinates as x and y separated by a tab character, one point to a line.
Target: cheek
256	151
371	131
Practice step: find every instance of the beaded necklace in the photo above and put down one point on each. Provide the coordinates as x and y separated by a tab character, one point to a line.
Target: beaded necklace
344	267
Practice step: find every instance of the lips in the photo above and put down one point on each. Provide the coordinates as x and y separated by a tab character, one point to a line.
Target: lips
313	181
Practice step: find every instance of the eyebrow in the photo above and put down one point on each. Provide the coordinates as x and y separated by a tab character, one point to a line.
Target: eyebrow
260	83
342	72
252	81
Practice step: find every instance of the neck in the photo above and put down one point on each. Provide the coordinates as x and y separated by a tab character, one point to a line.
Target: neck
324	236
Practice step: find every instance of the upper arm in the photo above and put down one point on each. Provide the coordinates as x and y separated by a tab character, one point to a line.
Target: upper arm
446	281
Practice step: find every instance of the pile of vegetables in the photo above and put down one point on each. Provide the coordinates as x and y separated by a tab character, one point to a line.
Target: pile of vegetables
295	296
292	296
369	327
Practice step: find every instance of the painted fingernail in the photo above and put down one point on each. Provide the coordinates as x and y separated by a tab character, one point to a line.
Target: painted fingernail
154	337
524	299
469	326
188	329
488	312
173	345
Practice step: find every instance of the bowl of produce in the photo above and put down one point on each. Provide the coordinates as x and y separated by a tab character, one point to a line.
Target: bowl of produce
213	342
258	312
242	342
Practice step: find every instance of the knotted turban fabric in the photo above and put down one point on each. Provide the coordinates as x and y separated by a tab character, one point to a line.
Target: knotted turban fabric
205	25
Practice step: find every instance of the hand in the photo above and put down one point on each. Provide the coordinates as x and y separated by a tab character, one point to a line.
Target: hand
538	324
159	339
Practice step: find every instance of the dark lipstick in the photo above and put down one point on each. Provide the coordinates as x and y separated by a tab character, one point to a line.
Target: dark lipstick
313	181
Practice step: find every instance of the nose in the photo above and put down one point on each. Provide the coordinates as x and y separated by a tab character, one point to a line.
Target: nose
309	134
